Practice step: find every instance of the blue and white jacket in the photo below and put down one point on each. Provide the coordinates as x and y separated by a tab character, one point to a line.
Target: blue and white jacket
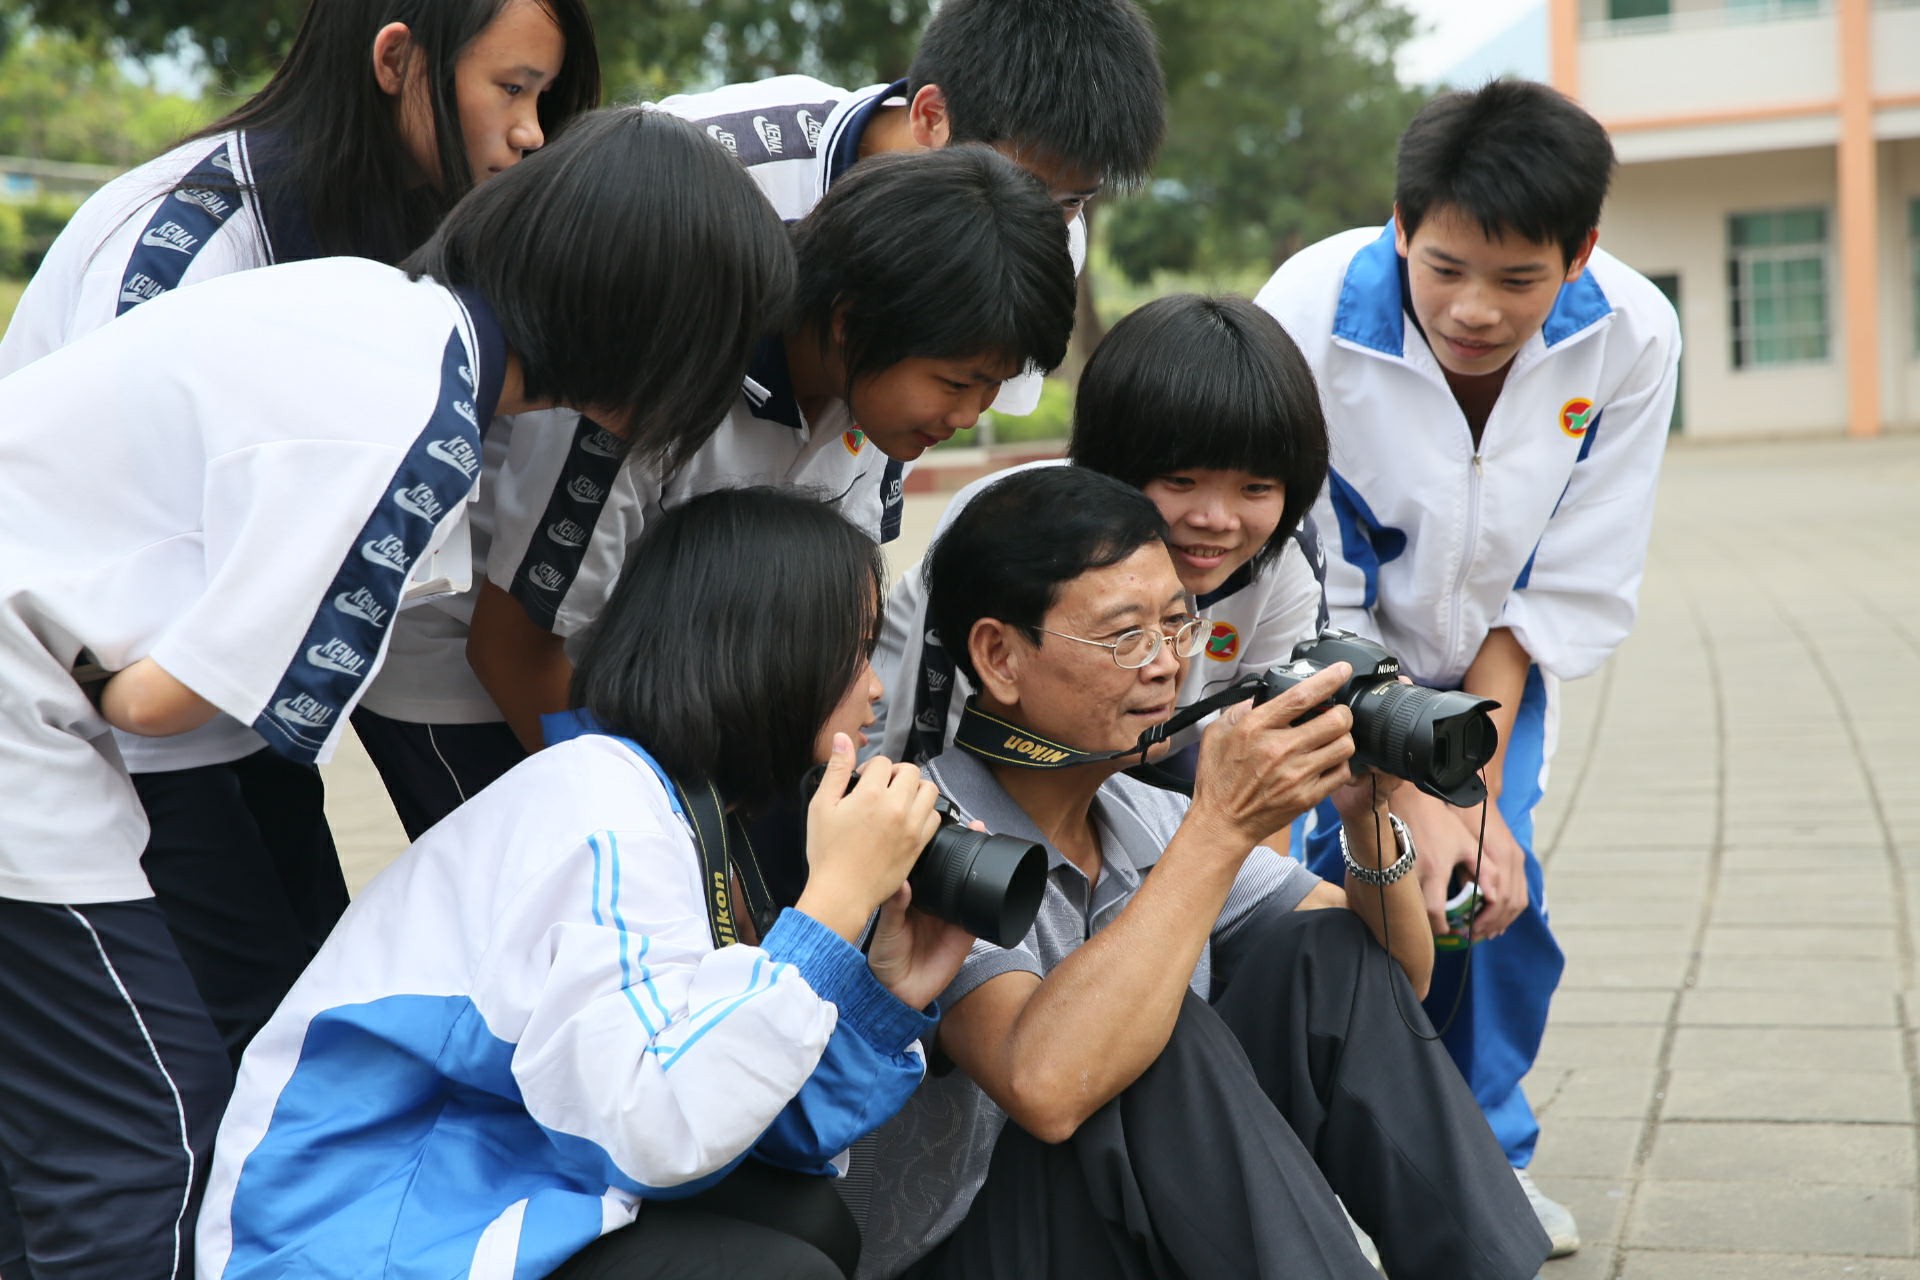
1430	543
521	1031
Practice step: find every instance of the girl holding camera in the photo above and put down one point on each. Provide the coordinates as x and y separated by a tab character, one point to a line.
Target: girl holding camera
524	1049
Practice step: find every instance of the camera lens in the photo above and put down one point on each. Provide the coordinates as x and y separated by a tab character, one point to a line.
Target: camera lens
1437	739
989	885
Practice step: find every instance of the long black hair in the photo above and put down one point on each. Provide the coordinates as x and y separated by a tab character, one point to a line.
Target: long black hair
335	134
1191	381
632	264
740	621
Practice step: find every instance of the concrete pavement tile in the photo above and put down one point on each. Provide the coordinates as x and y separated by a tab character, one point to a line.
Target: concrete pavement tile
1623	909
1859	1096
1593	1262
1867	1154
1833	942
1836	879
1788	1009
1629	857
1773	1217
1775	973
1575	1148
1649	1264
1573	1045
1619	970
1785	1049
1654	941
1603	1008
1811	908
1792	858
1816	829
1598	1093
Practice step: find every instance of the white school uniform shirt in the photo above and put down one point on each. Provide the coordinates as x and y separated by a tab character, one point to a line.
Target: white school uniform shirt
133	240
566	505
267	456
1257	616
796	135
522	1030
1543	529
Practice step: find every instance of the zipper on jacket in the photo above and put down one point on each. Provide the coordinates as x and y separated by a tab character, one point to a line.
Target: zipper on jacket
1457	596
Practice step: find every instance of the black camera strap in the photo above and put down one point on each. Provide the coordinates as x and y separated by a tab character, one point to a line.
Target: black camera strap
993	739
721	841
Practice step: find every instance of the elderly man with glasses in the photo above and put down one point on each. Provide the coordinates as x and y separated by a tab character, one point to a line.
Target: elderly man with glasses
1195	1061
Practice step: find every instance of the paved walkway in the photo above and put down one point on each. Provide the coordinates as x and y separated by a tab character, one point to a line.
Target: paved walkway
1729	1079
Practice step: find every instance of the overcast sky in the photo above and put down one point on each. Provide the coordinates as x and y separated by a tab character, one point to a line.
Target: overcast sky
1452	29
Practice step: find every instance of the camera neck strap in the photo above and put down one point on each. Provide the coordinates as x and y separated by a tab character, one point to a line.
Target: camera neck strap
997	741
720	840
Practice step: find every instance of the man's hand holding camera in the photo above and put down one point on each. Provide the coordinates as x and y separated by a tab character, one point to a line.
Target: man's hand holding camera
1259	770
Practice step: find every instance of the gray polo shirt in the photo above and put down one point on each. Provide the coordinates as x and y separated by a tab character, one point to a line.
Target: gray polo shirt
930	1159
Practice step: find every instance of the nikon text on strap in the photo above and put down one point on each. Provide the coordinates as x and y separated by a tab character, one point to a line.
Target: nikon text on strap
993	739
722	844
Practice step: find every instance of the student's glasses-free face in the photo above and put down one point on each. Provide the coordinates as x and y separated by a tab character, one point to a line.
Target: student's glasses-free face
1139	647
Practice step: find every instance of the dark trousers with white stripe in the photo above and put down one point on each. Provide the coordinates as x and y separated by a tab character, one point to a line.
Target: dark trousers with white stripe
432	769
112	1083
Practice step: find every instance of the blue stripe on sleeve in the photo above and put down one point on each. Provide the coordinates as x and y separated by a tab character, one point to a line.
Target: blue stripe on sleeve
336	656
187	218
619	927
1365	543
1592	434
553	558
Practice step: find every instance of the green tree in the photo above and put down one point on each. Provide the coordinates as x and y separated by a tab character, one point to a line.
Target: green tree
1282	120
63	98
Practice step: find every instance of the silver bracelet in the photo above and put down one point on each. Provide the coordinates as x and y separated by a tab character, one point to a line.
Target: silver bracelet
1402	838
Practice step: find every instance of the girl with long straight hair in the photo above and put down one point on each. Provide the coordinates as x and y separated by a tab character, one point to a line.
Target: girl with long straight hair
269	457
382	116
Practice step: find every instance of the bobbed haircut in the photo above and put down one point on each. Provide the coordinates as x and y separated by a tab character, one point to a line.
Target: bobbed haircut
1515	156
1075	81
944	254
1020	540
633	265
1192	382
739	622
338	134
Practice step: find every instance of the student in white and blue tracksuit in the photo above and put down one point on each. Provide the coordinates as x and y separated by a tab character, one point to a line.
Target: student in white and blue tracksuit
893	345
1205	405
272	456
1498	392
533	1035
318	163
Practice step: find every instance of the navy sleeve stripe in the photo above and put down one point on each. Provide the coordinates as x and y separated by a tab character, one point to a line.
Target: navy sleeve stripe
336	657
1307	537
187	218
559	546
766	135
892	499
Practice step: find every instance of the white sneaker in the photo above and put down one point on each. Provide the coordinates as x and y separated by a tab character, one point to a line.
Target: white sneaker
1555	1218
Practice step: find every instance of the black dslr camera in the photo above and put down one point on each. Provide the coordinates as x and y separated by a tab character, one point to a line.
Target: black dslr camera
989	885
1436	739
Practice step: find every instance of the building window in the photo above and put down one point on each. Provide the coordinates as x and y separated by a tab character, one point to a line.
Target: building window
1777	284
1635	10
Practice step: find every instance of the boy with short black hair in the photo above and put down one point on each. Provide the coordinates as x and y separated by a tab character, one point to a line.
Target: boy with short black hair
1497	392
1070	89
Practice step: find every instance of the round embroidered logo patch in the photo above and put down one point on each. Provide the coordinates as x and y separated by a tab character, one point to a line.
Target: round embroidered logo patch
855	440
1224	643
1575	414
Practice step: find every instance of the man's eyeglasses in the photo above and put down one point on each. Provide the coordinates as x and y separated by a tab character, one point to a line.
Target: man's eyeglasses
1135	649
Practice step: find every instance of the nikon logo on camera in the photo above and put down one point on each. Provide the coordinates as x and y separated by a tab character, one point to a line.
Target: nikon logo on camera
1034	751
